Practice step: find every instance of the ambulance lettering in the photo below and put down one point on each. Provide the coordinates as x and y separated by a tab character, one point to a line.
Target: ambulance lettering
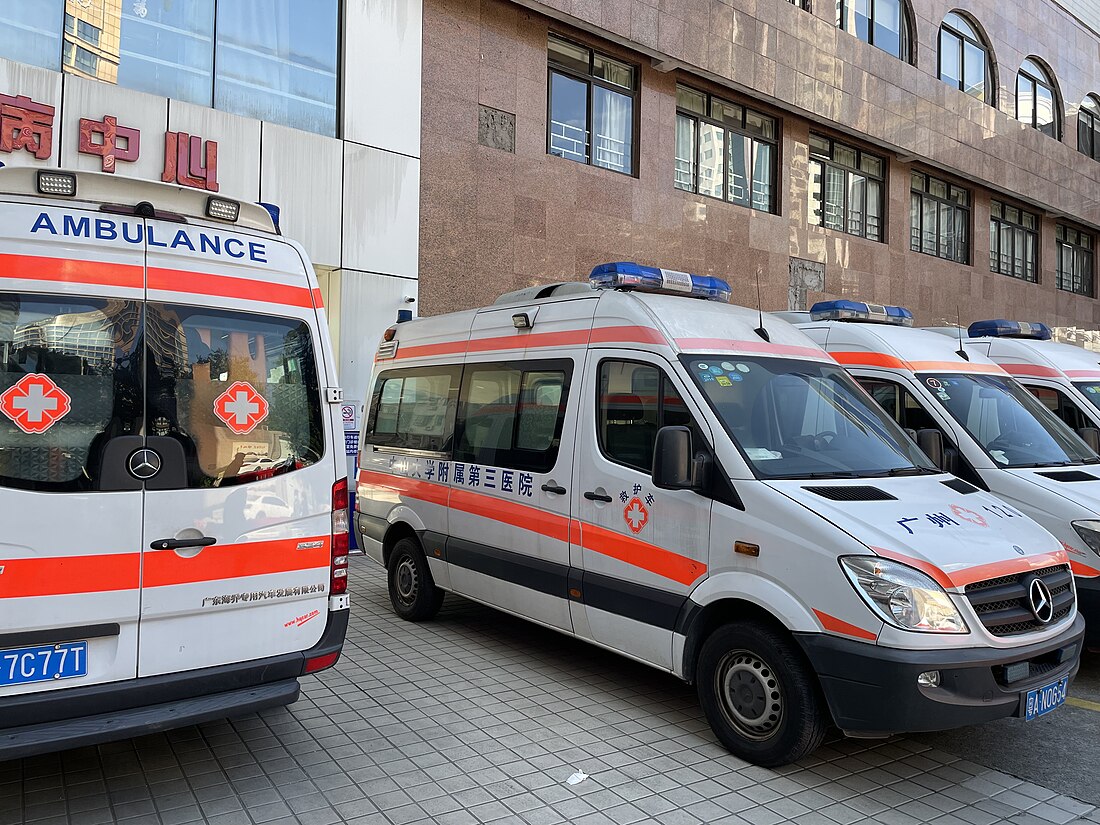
35	403
110	229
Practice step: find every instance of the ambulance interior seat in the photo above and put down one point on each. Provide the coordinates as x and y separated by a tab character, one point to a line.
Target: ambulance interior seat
629	432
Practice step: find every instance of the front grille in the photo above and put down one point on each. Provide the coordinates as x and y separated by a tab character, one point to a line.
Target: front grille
1003	606
854	492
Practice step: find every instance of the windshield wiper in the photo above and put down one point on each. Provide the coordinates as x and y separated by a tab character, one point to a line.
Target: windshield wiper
903	471
832	474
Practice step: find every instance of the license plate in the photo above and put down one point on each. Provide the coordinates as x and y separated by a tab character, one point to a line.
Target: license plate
45	663
1045	699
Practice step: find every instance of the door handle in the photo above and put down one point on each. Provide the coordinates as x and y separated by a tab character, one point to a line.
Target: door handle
592	495
180	544
554	488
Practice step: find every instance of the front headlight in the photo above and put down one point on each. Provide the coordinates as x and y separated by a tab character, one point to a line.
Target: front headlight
1089	531
902	596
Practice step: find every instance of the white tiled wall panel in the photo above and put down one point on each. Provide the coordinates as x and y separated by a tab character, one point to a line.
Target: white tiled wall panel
238	145
369	305
41	86
381	211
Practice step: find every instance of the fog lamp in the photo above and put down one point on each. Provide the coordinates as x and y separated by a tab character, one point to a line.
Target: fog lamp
929	679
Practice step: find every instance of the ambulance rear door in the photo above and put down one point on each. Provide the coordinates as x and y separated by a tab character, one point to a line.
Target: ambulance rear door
70	415
237	520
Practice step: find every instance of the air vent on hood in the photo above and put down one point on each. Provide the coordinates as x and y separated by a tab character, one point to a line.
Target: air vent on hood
960	486
1069	475
854	493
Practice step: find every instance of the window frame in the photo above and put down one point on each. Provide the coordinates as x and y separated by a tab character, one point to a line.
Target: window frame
826	163
905	35
590	79
1091	118
1048	82
926	193
743	131
990	90
1061	230
389	443
996	221
550	455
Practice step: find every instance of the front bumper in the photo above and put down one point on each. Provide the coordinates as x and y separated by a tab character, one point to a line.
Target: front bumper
1088	605
873	691
52	720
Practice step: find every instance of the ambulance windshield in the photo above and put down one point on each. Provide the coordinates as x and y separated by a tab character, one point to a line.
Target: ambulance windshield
804	419
1091	391
1008	421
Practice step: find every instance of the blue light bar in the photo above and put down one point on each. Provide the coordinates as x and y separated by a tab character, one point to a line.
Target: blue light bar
1000	328
859	311
625	275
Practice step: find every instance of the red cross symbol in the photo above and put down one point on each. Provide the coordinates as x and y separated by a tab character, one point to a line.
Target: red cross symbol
241	408
636	515
35	403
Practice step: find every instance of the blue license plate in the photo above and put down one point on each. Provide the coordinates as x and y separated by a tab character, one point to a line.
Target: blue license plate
45	663
1045	699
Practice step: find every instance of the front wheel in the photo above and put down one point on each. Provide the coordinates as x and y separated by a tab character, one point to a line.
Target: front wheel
413	593
759	695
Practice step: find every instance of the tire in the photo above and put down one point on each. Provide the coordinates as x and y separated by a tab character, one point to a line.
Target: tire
413	593
758	693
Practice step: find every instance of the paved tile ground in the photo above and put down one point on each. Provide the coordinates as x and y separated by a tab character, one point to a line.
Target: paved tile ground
477	717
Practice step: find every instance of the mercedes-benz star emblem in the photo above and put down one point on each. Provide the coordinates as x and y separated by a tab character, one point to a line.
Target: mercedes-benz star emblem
144	464
1042	604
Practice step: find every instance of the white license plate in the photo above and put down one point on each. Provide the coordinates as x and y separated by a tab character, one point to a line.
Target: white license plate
1045	699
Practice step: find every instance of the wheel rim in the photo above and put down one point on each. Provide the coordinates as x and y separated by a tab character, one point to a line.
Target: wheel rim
749	694
406	580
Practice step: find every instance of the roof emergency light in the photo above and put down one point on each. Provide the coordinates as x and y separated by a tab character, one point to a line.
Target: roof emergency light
1000	328
632	276
843	310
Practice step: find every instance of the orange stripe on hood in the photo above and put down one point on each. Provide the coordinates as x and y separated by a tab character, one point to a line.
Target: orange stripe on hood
981	572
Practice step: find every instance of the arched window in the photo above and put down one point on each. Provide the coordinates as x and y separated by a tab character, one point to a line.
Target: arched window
964	58
1037	99
1088	127
882	23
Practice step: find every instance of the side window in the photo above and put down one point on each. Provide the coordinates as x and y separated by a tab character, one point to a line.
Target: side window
512	415
414	409
70	380
239	391
1061	406
635	400
900	404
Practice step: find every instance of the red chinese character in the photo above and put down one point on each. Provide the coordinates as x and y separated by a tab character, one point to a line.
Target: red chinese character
25	124
109	147
184	164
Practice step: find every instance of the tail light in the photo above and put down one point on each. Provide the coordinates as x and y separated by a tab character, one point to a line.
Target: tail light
338	582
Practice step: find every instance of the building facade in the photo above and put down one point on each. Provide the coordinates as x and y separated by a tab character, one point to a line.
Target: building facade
311	106
939	154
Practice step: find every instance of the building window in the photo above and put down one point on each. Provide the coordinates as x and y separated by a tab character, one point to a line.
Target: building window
802	4
1036	99
1013	242
725	150
169	49
1088	127
31	33
276	61
592	107
964	58
846	188
82	29
882	23
1074	259
939	215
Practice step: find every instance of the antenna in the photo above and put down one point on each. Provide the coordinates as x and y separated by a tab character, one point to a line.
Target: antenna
763	333
958	318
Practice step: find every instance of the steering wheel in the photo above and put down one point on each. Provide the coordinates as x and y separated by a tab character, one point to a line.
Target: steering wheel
1008	440
824	439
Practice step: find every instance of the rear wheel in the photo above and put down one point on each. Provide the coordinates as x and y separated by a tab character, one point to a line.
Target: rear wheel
413	593
759	695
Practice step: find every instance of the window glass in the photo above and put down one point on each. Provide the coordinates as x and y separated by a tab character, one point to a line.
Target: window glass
740	162
685	153
691	100
1035	104
711	160
636	400
259	371
168	49
1074	260
804	419
613	122
30	32
512	417
1091	390
1044	110
1008	422
974	71
763	173
834	198
70	379
1013	241
414	409
276	61
613	71
887	26
940	219
569	54
1059	404
843	198
568	118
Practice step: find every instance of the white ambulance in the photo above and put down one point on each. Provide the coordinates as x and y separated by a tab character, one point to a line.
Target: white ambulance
641	465
978	423
164	369
1066	378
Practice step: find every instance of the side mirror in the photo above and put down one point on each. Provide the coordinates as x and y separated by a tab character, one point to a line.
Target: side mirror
931	443
674	466
1091	436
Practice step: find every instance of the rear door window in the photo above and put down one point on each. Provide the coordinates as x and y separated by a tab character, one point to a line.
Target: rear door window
240	391
70	380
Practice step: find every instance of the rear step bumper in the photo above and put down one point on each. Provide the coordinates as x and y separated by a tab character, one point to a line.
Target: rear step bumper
89	730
